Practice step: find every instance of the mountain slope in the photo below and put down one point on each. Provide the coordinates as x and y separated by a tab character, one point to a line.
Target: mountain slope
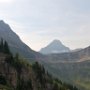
18	74
76	56
16	45
54	47
72	67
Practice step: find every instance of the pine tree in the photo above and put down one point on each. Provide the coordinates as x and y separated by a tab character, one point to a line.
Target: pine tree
6	48
2	80
1	45
17	56
55	87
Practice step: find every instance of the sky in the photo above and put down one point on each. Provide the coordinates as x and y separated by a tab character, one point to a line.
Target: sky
38	22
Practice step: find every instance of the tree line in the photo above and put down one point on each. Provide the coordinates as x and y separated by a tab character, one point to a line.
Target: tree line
4	47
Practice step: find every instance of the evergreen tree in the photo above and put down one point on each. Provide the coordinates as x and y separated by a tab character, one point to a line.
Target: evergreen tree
40	73
17	56
6	48
2	80
55	87
1	45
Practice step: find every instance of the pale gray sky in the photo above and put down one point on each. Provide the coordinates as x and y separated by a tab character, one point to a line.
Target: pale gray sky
38	22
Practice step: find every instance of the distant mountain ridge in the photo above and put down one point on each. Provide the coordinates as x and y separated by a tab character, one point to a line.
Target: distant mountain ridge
72	67
54	47
77	56
15	43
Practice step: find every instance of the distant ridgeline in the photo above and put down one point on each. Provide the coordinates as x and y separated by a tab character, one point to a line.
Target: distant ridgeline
19	74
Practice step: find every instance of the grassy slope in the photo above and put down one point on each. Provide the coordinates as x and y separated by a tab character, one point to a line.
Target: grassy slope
76	73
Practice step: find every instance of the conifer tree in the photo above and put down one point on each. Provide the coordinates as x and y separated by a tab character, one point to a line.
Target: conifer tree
6	48
55	87
1	45
17	56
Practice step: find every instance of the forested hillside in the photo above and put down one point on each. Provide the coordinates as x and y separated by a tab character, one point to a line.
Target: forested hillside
18	74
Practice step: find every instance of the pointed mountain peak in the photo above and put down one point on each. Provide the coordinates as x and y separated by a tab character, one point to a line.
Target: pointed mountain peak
4	26
1	21
54	47
56	41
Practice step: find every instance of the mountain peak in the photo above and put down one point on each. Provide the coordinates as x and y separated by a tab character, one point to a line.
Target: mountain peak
1	21
4	26
54	47
56	41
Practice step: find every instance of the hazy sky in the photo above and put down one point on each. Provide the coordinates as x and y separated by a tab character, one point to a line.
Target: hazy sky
38	22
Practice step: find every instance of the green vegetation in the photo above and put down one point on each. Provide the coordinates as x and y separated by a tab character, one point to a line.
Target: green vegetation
83	82
3	80
45	78
18	74
73	73
4	47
